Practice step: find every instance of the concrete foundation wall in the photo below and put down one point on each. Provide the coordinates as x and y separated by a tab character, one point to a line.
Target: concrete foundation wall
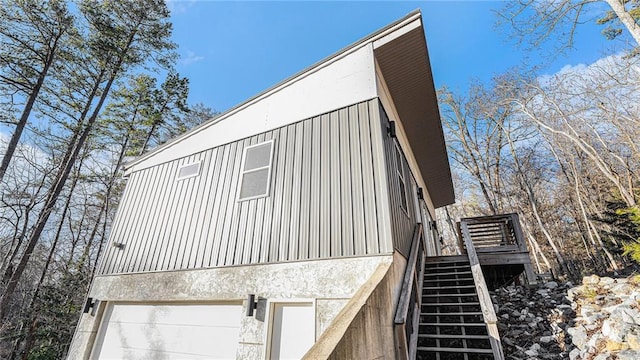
329	284
364	329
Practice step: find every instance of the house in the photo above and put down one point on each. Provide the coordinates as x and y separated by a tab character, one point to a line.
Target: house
284	226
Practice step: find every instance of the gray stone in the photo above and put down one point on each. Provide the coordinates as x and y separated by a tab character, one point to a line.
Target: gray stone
574	354
592	326
622	289
589	310
633	340
627	314
530	353
606	328
603	356
546	339
578	336
615	330
593	341
543	292
628	355
591	280
551	285
533	350
604	281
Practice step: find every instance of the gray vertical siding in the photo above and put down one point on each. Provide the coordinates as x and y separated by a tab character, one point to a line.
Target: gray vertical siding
402	222
324	201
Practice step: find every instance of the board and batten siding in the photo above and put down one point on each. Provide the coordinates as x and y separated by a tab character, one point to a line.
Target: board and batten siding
402	222
324	201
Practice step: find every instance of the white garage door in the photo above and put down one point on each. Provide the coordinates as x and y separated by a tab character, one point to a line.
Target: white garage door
162	331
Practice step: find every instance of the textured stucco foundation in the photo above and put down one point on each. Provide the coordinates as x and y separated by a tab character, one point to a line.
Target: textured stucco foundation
329	284
364	328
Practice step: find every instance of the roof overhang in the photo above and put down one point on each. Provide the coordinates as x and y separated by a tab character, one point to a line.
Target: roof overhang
403	60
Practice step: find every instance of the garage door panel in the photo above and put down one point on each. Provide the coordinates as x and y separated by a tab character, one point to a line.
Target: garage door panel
171	337
171	331
187	314
144	354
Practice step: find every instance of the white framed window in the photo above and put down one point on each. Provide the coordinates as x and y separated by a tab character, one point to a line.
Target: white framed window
401	179
291	328
189	170
255	172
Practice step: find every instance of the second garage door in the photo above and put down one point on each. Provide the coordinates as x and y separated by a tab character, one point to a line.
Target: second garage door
169	331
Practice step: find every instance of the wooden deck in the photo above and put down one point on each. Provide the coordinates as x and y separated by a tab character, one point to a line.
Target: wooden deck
501	248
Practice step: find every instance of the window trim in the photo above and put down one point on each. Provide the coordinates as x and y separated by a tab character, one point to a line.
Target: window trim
242	171
199	163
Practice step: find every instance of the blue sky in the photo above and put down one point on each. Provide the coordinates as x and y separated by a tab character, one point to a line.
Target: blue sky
234	50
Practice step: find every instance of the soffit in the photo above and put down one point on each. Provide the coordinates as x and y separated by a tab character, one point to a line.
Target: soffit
404	63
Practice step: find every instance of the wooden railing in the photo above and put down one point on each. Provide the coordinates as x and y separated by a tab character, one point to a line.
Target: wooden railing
497	233
408	311
488	312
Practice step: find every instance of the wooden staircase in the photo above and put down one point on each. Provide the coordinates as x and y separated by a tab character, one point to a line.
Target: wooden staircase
451	319
445	310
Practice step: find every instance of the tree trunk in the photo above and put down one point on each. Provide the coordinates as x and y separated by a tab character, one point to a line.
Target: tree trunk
33	95
536	247
625	18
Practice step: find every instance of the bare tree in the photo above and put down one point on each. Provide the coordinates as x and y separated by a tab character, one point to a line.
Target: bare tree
534	22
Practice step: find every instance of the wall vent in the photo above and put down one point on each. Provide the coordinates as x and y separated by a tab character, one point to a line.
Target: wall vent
189	170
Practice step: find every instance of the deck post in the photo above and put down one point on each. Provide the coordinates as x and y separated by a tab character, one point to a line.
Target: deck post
522	245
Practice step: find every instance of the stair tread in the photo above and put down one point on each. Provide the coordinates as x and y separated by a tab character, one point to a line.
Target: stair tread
452	324
458	350
452	336
452	313
452	304
448	287
449	273
447	258
450	295
449	266
432	282
440	279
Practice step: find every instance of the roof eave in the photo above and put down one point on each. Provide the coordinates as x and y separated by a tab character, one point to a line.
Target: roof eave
404	63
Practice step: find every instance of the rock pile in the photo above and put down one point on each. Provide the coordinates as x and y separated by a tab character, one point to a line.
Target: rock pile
598	320
607	325
533	320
